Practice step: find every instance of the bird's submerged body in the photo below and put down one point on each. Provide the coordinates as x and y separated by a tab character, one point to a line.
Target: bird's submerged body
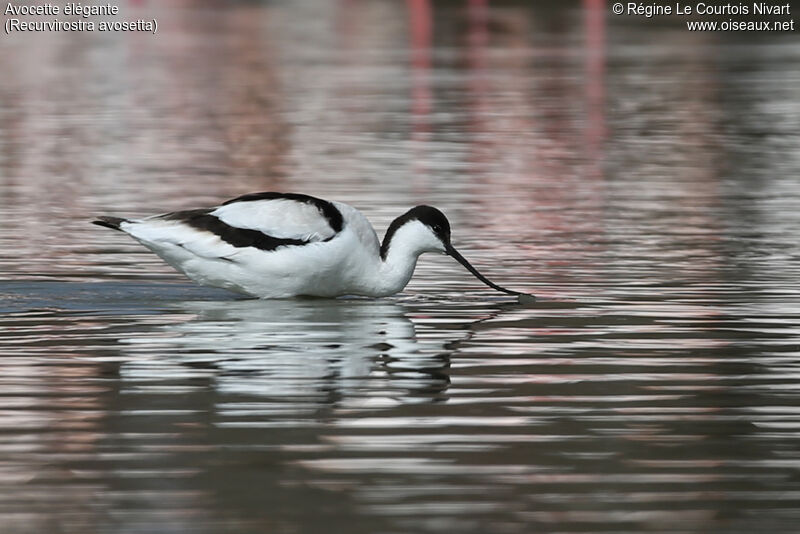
279	245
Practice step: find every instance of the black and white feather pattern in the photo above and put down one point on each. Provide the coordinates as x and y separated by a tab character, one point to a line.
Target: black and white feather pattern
264	221
274	245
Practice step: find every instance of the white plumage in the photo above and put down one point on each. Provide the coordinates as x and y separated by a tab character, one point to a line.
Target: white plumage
277	245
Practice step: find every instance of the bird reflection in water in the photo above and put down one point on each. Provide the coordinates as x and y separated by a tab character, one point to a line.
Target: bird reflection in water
352	352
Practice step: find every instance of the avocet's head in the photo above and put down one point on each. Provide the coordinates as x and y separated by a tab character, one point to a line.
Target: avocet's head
426	229
420	229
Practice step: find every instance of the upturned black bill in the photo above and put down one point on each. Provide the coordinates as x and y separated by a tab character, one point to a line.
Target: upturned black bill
451	251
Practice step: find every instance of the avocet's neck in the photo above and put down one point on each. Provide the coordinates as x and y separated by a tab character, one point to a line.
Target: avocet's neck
397	267
399	252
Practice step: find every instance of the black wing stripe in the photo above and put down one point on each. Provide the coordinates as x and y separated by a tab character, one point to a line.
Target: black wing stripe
328	210
237	237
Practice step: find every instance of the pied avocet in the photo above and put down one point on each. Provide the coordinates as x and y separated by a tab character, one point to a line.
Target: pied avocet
277	245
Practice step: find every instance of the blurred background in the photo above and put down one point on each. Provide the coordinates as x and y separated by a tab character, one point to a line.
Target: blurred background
641	179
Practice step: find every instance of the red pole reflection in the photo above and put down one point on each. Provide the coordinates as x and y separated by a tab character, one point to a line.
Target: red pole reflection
421	30
595	27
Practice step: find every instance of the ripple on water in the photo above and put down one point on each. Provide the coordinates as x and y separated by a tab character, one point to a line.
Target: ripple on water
647	196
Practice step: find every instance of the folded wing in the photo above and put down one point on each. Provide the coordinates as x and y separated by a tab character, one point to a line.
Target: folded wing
263	221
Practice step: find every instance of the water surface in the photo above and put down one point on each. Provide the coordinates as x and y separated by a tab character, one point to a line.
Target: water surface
641	180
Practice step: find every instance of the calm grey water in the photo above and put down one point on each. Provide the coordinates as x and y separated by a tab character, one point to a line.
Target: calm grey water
642	180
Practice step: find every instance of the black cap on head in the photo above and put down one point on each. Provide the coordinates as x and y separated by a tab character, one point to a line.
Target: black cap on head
433	219
427	215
